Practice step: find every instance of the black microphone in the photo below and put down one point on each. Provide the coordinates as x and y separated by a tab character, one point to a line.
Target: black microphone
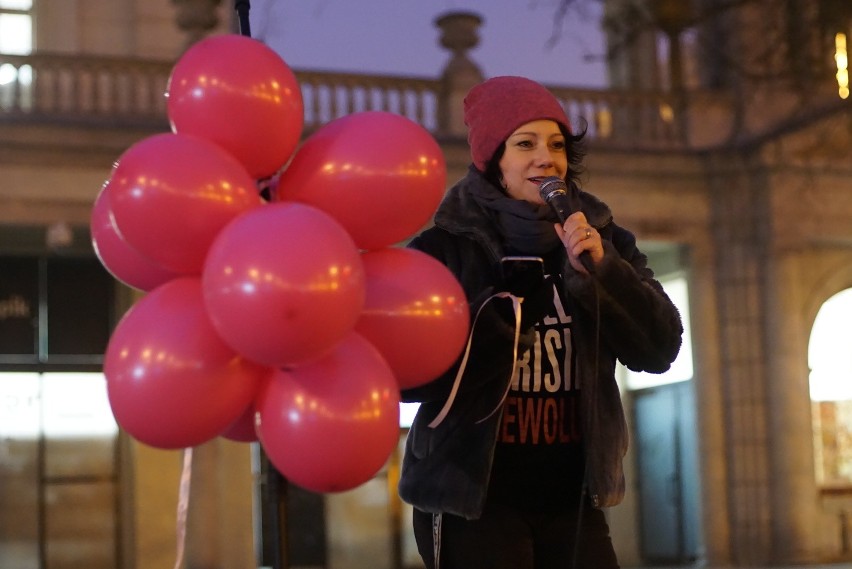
554	191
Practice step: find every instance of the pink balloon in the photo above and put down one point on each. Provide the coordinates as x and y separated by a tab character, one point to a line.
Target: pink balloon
331	425
120	259
379	174
283	284
243	430
171	381
238	93
416	314
171	194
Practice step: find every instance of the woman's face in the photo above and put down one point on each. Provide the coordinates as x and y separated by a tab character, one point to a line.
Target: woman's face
535	150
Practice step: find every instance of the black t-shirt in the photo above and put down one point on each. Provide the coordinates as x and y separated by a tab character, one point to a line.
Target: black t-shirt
538	461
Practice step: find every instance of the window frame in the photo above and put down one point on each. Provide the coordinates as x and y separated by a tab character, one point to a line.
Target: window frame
25	12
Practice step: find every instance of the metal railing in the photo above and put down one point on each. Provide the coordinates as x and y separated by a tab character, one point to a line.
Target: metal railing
130	92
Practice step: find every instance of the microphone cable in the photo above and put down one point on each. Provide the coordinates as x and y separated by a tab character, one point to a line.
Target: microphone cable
593	397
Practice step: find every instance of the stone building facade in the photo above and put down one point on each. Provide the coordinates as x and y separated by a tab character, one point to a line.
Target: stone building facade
732	165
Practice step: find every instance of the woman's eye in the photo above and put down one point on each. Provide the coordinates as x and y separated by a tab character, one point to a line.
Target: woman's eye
558	145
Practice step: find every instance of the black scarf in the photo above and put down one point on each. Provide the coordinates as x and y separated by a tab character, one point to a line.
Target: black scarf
527	228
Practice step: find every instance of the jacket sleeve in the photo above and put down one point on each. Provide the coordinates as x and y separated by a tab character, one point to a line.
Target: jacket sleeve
491	337
637	320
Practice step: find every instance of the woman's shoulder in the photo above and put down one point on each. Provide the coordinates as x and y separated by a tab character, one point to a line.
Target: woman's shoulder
435	241
457	252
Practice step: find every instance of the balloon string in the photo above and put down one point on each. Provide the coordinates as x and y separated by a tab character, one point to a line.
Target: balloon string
516	307
183	505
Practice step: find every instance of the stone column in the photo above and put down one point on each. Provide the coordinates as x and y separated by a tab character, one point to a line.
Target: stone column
794	494
739	227
150	495
219	528
459	35
709	392
673	17
196	18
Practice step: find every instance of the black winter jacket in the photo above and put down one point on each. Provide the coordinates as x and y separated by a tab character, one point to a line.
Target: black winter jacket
446	469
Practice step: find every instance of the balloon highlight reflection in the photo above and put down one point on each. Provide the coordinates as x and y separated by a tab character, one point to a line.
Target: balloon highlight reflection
277	308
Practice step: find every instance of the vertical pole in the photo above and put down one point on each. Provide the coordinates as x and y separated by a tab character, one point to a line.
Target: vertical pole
272	519
243	7
272	486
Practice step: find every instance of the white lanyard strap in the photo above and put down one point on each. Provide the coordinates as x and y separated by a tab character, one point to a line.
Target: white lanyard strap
516	307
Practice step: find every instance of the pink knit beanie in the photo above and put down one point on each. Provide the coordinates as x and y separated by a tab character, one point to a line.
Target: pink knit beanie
496	107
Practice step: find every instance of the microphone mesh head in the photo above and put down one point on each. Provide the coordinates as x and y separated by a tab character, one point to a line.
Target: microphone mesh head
551	186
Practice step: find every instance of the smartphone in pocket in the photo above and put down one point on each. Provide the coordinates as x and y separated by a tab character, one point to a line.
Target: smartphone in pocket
522	274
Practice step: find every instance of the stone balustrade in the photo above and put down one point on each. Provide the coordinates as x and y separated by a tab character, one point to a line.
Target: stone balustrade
328	96
109	91
129	92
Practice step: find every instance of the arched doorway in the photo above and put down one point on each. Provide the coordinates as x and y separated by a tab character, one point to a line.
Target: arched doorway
830	364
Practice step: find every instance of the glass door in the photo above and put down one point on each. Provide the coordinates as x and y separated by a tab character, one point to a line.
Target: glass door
58	472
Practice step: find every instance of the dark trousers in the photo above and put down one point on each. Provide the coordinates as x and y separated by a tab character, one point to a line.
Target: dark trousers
505	538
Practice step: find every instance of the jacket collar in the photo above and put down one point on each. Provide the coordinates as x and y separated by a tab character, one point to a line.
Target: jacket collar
460	214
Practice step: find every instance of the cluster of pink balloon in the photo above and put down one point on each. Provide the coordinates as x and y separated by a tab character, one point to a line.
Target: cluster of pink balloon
293	320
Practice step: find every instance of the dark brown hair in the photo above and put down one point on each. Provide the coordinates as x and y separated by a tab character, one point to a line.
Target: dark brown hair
575	150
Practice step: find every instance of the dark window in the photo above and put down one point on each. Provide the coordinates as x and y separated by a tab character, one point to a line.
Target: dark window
79	301
18	306
56	311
